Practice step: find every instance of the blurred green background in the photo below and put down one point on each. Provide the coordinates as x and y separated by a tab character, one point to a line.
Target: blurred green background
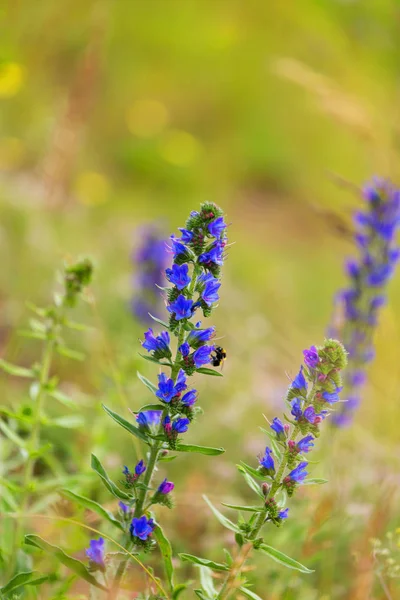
113	114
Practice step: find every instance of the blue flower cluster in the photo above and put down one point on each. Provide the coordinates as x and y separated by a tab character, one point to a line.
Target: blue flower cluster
151	258
358	305
311	397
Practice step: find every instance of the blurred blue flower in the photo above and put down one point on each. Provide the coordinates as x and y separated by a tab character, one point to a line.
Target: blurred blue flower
95	552
142	528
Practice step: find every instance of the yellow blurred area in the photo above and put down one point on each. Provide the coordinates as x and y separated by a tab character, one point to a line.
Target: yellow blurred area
12	152
179	148
147	118
92	188
11	79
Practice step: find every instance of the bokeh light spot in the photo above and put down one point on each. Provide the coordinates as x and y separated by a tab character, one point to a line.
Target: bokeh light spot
179	148
92	188
11	79
147	118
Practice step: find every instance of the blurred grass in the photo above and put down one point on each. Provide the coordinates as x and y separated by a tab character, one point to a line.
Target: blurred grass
113	114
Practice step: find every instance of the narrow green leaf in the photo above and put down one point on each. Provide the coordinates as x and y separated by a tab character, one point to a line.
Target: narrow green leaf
221	518
207	583
72	563
206	371
68	422
253	472
11	435
62	398
202	595
245	508
110	485
166	552
178	589
153	388
283	559
155	360
26	578
273	442
203	562
69	353
16	370
163	323
200	449
77	326
126	425
94	506
315	481
148	407
167	458
249	593
250	482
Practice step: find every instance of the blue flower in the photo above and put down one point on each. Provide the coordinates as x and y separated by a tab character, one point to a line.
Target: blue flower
214	256
210	292
202	356
279	428
311	358
124	507
189	398
166	388
305	444
184	349
298	474
179	275
181	308
159	344
142	528
379	275
216	227
296	408
140	468
332	397
267	461
299	382
197	337
165	487
180	383
177	247
149	418
186	236
283	514
95	552
181	425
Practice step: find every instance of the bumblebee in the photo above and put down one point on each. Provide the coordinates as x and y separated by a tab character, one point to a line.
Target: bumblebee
218	356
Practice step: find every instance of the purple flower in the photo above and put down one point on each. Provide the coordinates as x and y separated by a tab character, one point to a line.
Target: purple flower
214	255
159	344
180	383
298	474
181	308
184	349
166	388
311	358
189	398
279	428
95	552
216	227
149	418
267	461
140	468
177	247
296	408
283	514
305	444
179	275
197	337
186	236
299	382
124	507
332	397
202	356
180	425
142	528
380	274
165	487
210	292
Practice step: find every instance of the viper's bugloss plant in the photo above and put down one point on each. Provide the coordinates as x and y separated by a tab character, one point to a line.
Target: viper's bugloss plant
358	305
150	260
23	426
195	278
282	467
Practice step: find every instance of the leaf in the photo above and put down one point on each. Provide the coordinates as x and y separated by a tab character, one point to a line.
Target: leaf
246	508
200	594
273	442
250	593
110	485
147	383
206	371
72	563
68	421
207	450
204	562
157	320
69	353
15	369
26	578
207	583
283	559
315	481
166	552
63	398
148	407
155	360
167	458
125	424
8	432
253	472
250	482
94	506
178	589
221	518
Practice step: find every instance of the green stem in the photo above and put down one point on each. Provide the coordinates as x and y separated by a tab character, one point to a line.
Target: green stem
34	443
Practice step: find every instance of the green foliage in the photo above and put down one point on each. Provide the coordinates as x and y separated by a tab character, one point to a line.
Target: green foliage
110	485
283	559
126	425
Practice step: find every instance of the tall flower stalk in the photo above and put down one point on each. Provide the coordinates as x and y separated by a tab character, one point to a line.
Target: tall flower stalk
283	466
358	305
195	277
